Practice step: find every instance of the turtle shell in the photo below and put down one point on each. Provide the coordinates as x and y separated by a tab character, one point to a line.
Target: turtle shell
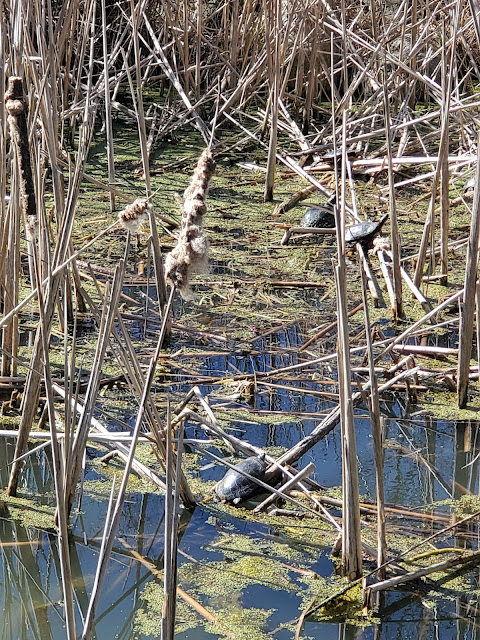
234	487
364	232
469	185
318	217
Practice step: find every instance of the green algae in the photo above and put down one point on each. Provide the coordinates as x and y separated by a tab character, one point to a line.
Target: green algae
148	618
28	511
444	405
220	584
244	624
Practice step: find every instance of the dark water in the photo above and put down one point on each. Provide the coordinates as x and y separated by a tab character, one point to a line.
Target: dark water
442	463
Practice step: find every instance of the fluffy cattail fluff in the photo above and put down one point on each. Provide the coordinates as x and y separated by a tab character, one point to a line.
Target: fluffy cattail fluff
191	253
134	214
31	228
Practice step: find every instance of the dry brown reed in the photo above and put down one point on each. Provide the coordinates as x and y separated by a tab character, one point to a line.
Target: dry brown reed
191	252
257	65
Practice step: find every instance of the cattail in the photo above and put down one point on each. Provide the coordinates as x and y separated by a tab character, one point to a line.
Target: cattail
191	253
31	228
16	107
134	214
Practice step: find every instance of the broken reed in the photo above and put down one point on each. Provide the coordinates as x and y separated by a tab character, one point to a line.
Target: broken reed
65	91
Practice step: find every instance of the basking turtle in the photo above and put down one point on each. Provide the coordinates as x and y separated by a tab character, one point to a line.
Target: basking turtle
318	217
469	185
234	487
364	232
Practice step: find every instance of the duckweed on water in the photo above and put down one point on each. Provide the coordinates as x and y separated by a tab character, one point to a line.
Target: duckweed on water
224	581
148	618
101	486
27	511
464	506
236	547
244	624
443	404
348	606
220	585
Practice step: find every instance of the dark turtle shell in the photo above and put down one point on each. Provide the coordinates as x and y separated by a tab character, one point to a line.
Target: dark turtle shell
364	232
318	217
234	487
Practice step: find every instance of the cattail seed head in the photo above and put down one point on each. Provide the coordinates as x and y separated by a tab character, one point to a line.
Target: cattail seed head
31	227
134	214
15	107
191	252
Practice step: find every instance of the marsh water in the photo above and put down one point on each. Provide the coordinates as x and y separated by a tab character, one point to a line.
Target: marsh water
251	575
255	575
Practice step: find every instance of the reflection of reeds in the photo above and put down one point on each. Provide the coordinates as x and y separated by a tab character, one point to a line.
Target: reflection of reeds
191	253
25	595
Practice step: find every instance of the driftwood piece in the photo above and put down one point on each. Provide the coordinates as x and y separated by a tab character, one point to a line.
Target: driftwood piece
288	204
457	561
305	231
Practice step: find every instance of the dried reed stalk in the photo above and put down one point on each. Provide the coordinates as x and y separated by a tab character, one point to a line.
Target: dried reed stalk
136	13
351	535
10	286
103	560
105	330
16	107
272	38
108	108
173	472
468	302
63	244
394	234
377	432
59	477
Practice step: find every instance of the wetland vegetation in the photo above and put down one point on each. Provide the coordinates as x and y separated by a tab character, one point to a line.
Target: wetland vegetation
165	315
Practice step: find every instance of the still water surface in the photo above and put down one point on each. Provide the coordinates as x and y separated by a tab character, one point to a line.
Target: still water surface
441	463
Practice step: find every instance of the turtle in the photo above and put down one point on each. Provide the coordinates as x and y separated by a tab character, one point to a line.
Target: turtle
318	217
469	185
364	232
235	487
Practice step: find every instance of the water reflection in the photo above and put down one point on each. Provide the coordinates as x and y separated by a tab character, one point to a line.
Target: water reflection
30	593
427	461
